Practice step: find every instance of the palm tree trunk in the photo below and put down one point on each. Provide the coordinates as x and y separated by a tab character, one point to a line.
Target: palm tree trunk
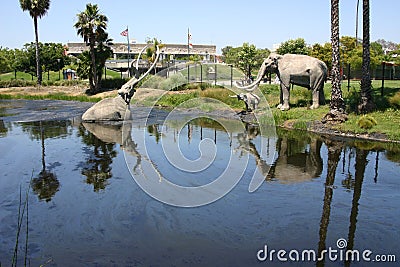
38	67
93	84
367	104
337	111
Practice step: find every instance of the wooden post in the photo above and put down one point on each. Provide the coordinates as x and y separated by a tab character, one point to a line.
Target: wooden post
348	77
383	77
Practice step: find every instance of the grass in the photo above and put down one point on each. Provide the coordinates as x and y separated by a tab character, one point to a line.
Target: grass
299	116
51	76
387	116
54	96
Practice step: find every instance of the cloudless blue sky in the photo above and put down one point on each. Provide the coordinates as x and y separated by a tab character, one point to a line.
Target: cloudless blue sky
260	22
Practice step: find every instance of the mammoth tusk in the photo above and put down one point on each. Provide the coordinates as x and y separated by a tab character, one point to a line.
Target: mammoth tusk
140	54
128	88
250	87
152	66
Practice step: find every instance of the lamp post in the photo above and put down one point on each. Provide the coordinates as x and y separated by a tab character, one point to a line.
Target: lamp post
58	60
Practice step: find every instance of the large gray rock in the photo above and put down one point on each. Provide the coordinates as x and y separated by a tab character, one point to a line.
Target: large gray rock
109	109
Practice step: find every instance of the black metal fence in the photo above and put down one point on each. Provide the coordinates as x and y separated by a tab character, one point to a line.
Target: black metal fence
385	71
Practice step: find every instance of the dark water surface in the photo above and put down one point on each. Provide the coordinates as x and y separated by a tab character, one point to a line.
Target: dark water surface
85	208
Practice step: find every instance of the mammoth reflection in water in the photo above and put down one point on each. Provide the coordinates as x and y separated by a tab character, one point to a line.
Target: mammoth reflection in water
117	133
298	160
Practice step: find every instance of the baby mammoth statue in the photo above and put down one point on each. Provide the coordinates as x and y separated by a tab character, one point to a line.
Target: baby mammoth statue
251	100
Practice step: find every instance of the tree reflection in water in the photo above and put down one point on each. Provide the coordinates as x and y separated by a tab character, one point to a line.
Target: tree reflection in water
334	151
46	184
97	167
360	165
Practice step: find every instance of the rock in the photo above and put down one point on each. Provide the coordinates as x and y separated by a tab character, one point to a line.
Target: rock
109	109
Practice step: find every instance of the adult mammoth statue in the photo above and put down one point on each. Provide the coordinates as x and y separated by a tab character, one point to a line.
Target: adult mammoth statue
114	109
300	70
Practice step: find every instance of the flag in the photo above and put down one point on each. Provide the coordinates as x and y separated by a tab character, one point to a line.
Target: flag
189	38
125	33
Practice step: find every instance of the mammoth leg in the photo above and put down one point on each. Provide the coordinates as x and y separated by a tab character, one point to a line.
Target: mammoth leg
318	92
321	96
285	92
280	98
315	99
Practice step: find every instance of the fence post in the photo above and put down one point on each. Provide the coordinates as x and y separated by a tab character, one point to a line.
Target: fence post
215	74
348	77
188	73
231	75
383	77
201	73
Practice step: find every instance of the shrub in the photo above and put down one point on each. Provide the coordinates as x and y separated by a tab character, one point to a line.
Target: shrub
395	100
366	122
17	83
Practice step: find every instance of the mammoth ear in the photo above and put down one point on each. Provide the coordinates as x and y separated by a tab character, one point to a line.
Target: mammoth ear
277	57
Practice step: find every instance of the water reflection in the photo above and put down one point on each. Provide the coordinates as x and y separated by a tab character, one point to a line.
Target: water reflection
334	151
315	191
99	154
46	184
3	129
299	158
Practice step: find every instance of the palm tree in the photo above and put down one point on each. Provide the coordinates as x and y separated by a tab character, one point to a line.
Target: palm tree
337	107
91	26
37	9
367	104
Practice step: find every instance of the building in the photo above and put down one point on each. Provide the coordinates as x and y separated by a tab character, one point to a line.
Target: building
169	51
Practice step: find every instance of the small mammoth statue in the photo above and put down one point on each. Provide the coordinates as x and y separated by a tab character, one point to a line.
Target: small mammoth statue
251	100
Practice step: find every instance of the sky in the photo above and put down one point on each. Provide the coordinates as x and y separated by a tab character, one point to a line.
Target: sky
263	23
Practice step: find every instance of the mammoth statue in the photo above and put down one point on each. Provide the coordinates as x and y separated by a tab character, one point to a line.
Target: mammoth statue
251	100
300	70
114	109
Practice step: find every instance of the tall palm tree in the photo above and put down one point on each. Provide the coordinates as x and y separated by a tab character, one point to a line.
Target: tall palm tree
337	107
367	103
37	9
91	26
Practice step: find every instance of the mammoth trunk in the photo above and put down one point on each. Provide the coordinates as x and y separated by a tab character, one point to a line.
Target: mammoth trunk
253	86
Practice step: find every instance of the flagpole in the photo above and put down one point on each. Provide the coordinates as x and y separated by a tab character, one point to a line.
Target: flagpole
129	56
188	47
188	42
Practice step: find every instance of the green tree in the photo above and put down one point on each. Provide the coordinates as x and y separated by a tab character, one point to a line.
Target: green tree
246	58
323	53
367	103
102	53
37	9
53	56
297	46
91	26
6	59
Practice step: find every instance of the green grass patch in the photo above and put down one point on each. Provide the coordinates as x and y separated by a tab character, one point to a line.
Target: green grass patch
387	122
174	100
55	96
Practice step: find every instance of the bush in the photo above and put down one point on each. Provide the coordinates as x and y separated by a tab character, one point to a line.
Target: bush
366	122
17	83
395	100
